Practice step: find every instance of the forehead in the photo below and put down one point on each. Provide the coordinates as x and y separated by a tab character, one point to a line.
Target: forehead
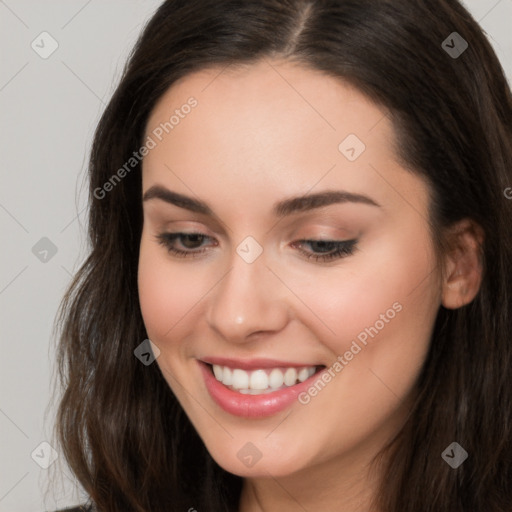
260	101
269	127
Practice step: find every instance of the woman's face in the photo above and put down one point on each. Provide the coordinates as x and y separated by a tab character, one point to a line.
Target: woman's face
310	252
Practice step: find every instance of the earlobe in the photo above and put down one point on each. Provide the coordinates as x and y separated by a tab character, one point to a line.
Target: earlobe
463	264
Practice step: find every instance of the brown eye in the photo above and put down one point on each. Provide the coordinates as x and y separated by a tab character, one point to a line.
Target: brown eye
190	244
327	250
191	240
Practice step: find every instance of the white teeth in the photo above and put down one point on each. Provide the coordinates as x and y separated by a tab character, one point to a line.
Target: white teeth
240	379
276	378
217	371
303	374
258	380
290	376
227	376
262	380
253	391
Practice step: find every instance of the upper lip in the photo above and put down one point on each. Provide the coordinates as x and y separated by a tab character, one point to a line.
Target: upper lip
254	364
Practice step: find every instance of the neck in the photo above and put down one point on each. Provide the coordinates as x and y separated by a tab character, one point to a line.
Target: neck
331	486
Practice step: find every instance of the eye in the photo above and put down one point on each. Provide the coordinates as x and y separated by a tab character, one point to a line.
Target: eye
192	245
327	250
189	241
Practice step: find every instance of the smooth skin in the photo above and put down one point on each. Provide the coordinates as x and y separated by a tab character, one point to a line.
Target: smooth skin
261	134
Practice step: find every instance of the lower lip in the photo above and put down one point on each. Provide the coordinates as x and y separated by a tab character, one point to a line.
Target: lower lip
252	406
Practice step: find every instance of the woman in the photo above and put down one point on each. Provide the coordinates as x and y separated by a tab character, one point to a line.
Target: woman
303	205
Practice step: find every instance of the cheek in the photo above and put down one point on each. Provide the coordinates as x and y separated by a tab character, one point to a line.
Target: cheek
382	312
390	293
167	293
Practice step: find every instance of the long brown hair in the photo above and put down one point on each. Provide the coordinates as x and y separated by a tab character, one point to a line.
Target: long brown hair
122	431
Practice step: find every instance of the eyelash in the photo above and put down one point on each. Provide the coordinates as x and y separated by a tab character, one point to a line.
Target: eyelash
343	248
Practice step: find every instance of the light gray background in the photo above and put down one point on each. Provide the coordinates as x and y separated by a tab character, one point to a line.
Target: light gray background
49	109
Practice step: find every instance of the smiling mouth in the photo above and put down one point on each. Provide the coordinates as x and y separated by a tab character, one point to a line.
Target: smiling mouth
264	380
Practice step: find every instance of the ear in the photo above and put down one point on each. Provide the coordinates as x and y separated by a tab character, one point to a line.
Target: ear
463	264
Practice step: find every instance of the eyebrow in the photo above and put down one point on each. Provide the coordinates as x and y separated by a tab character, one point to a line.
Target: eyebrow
280	209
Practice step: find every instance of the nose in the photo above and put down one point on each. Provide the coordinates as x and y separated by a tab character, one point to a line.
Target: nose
249	300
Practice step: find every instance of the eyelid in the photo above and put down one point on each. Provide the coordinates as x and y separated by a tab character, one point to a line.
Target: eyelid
163	217
341	249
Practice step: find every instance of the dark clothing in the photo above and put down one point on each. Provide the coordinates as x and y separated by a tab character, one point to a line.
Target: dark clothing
80	508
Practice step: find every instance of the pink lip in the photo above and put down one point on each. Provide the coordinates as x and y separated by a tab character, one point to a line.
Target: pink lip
253	364
251	406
